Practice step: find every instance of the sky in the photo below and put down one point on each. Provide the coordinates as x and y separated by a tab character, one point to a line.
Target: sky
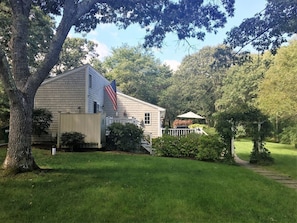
108	36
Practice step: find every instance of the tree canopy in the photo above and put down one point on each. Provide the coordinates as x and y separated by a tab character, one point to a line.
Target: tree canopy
268	29
75	52
195	84
137	72
277	92
40	31
240	85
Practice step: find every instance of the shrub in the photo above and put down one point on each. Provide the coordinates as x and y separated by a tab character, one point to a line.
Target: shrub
72	140
167	146
125	137
42	119
210	148
261	157
191	146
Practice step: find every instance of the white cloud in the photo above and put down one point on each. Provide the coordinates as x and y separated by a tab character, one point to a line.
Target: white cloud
102	50
173	64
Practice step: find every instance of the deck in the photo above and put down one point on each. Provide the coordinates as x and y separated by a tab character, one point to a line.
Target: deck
182	131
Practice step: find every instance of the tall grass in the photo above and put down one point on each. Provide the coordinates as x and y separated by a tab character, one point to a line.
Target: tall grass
285	156
108	187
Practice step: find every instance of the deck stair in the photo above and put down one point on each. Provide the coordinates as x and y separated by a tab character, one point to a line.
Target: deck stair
147	146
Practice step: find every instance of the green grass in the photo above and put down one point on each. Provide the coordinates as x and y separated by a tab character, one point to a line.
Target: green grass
285	156
109	187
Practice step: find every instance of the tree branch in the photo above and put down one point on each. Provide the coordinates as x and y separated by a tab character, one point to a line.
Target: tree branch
6	75
71	13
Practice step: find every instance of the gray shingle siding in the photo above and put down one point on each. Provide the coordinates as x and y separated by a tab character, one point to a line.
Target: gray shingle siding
71	93
62	94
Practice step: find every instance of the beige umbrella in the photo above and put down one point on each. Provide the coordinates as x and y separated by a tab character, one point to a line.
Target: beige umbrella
190	115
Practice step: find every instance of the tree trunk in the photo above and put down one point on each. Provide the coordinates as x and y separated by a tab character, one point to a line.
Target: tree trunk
19	154
21	85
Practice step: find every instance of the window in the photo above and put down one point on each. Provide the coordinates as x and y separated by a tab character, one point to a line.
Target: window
95	107
147	118
90	81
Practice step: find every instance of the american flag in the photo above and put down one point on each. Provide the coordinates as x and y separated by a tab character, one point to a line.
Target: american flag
111	90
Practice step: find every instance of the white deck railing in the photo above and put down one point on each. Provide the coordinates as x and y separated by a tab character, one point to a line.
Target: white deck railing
110	120
182	132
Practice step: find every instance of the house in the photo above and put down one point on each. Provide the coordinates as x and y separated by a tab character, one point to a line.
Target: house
78	102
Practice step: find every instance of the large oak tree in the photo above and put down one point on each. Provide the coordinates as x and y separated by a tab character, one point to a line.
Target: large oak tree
188	19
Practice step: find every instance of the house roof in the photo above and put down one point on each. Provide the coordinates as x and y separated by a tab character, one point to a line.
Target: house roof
118	92
84	67
142	102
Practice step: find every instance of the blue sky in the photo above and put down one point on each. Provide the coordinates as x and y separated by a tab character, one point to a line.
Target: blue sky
108	36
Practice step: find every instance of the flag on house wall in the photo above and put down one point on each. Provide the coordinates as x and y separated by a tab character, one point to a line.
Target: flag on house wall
111	90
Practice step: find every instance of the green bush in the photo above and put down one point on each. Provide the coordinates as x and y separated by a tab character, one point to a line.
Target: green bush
261	158
194	146
210	148
188	145
42	119
167	146
124	137
72	140
289	135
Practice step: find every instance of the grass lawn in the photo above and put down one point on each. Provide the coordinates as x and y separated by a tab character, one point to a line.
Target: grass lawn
110	187
285	156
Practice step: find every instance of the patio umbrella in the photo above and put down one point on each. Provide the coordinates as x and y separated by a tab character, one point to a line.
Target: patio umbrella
190	115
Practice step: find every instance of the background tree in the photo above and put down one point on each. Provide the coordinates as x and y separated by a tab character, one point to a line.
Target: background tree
279	84
21	83
268	29
170	99
98	65
196	83
240	85
277	93
137	72
75	52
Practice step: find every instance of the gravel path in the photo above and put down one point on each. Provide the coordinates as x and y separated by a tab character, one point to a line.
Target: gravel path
278	177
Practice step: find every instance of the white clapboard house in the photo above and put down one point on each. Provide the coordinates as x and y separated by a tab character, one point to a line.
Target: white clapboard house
83	100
